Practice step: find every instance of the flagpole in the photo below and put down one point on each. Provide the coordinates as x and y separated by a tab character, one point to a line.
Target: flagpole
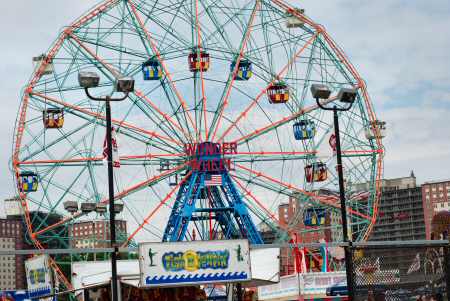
298	267
112	215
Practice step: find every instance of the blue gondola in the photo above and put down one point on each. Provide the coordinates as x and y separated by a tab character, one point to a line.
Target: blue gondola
151	69
244	71
314	217
304	129
28	181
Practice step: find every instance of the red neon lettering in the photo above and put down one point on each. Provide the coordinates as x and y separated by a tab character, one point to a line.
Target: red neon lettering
195	164
190	148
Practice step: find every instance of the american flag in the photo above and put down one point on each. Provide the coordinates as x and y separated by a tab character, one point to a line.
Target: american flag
213	180
115	149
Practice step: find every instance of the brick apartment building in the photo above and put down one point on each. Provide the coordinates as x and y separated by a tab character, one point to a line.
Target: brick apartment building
435	198
400	217
12	269
95	234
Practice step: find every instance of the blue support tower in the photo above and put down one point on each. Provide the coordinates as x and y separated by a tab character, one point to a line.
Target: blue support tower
208	204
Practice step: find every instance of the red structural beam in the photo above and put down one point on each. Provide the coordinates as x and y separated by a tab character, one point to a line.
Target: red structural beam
199	46
280	75
120	195
162	63
283	120
326	201
103	117
62	161
93	159
362	85
371	151
271	215
164	115
269	153
236	67
155	210
21	122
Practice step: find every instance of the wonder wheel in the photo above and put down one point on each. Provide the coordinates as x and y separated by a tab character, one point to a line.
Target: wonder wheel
220	129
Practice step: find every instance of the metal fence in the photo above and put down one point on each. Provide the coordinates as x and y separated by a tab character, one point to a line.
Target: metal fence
395	270
400	271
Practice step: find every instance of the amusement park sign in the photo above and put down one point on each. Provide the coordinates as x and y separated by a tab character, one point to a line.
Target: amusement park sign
208	156
38	276
185	263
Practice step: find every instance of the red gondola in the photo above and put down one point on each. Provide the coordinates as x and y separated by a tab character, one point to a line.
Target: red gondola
198	61
278	93
53	118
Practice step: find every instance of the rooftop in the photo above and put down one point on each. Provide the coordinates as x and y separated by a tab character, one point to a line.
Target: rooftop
437	182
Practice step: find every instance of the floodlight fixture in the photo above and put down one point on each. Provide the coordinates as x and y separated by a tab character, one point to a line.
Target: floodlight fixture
347	95
88	79
320	91
125	85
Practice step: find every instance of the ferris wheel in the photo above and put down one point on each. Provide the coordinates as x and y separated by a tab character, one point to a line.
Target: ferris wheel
219	131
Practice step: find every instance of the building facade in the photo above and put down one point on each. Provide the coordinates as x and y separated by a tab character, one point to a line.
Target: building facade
12	269
95	234
400	217
435	198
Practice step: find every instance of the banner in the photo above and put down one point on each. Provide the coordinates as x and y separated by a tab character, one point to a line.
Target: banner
196	262
39	278
313	284
115	149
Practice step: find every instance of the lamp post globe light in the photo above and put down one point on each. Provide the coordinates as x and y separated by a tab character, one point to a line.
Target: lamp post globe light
124	85
346	96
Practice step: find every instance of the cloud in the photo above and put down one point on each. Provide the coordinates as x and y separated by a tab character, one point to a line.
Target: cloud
28	29
401	49
418	139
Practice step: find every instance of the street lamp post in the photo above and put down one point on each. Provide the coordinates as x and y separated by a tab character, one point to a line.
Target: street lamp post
124	85
348	96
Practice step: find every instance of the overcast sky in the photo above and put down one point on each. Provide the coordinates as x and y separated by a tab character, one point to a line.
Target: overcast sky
401	48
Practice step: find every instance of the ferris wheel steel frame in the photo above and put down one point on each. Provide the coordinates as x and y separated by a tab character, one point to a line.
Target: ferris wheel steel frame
186	120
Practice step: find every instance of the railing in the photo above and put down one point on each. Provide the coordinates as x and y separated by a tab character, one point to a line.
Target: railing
421	271
421	274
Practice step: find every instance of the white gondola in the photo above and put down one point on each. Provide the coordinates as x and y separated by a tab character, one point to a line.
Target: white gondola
293	21
100	208
118	207
376	129
88	207
37	62
71	206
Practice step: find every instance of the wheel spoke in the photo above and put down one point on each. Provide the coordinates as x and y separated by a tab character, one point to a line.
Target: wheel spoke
163	65
264	90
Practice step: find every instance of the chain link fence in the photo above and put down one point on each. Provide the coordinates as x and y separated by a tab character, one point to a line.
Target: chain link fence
407	271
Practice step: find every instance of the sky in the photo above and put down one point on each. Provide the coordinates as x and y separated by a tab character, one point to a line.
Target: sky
400	48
